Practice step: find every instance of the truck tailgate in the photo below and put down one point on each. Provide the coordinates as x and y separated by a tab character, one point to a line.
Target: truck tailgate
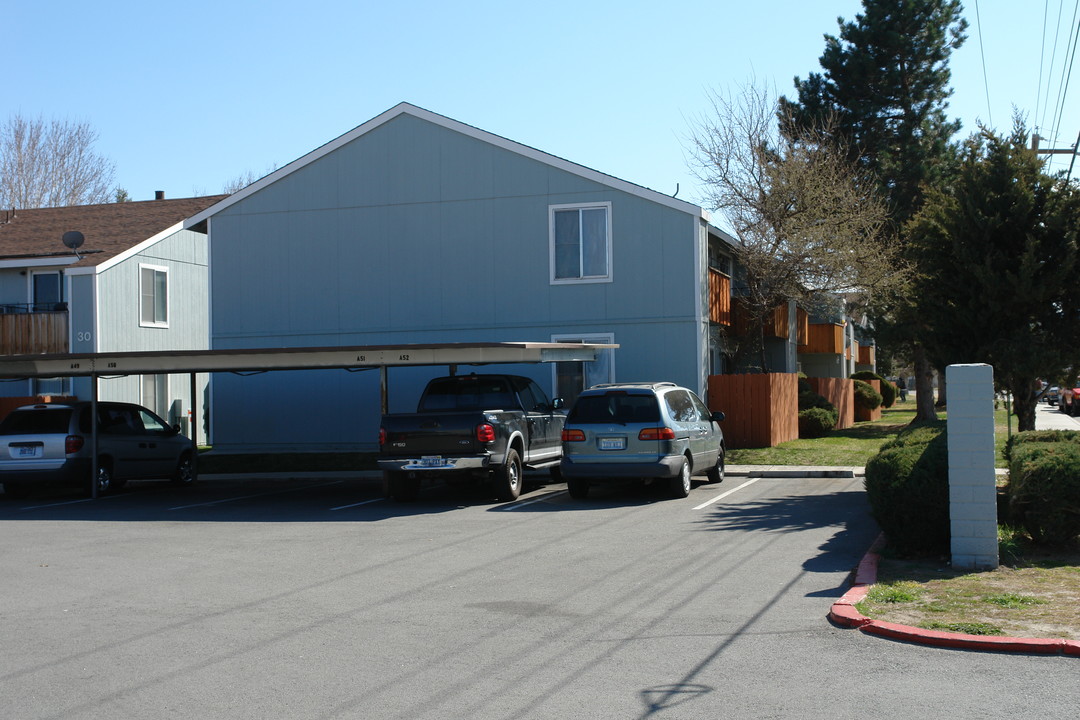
416	435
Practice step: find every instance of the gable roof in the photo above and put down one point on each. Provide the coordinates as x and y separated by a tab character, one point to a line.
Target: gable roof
405	108
29	237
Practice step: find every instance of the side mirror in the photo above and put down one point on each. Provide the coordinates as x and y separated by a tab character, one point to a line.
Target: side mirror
718	417
558	403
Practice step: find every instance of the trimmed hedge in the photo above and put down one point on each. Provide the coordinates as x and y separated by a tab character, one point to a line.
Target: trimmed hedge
907	484
816	422
1044	486
1038	436
888	390
866	396
817	416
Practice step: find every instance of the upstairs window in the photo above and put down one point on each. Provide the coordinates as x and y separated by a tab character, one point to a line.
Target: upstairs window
153	296
580	243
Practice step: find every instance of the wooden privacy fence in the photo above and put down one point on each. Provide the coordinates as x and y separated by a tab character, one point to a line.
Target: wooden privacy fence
841	393
762	410
33	333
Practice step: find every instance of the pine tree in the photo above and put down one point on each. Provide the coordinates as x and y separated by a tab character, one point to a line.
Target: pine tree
1001	242
886	83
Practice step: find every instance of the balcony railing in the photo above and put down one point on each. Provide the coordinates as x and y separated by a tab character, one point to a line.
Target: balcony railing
27	332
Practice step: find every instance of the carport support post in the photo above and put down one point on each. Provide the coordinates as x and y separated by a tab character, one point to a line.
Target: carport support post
384	390
193	428
972	479
93	436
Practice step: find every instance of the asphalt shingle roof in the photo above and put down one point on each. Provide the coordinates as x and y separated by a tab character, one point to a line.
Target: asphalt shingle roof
109	229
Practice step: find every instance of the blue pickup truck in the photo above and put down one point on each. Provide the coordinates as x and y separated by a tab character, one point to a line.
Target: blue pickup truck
485	428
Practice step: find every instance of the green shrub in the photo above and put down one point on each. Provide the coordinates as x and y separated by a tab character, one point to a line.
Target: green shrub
1039	436
888	390
907	484
817	422
866	397
1044	490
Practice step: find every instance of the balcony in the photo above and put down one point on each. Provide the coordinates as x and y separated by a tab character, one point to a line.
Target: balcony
719	298
33	329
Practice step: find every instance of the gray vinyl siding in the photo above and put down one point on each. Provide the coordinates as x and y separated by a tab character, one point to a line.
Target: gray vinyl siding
414	233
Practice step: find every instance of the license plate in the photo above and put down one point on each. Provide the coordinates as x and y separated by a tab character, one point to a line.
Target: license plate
433	461
613	443
28	451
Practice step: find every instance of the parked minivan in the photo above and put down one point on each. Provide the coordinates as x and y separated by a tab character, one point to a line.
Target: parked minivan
641	430
50	444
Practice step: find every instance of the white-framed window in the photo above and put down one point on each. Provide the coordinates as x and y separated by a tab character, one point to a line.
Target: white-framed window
570	378
46	290
155	393
153	296
580	238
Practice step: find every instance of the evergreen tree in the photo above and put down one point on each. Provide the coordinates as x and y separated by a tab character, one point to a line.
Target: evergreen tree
886	83
999	252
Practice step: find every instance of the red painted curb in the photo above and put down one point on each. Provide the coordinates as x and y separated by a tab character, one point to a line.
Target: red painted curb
844	613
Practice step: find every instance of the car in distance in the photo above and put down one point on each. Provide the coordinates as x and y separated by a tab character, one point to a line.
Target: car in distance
51	444
652	431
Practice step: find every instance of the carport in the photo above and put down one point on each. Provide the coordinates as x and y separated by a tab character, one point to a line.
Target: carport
352	358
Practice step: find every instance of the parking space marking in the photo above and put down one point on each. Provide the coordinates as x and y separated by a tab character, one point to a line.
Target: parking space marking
533	501
256	495
366	502
68	502
721	496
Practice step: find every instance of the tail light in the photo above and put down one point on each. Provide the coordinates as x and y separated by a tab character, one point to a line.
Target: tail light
73	443
485	433
382	437
657	433
573	436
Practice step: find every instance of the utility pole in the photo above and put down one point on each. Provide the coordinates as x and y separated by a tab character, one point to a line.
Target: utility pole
1056	151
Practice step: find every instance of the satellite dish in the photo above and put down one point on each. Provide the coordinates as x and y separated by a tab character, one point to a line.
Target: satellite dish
73	239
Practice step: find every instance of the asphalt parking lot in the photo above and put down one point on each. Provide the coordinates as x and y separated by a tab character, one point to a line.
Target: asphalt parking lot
317	598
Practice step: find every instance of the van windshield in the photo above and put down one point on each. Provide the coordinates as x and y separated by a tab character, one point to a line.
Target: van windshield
615	408
36	422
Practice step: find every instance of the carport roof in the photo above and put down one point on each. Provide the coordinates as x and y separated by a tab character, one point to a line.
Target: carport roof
305	358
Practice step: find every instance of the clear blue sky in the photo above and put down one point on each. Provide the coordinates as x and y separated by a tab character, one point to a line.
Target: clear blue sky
187	96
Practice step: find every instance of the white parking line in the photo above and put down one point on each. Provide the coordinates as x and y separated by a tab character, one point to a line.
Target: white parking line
721	496
247	497
533	501
366	502
68	502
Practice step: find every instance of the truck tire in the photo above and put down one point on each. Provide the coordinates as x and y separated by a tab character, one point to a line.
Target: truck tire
508	478
401	487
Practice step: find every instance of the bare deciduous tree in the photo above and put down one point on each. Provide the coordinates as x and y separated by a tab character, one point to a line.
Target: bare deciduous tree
806	218
51	164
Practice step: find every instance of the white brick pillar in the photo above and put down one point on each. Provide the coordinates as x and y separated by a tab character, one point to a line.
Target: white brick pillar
972	481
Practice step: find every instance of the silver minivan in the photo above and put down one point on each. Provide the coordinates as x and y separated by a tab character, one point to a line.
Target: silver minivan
641	430
51	444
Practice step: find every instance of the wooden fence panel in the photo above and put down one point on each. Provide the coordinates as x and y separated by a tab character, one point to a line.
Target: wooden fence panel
841	393
762	410
33	333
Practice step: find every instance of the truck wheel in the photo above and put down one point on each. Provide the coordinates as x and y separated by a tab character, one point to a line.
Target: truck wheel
716	474
401	487
680	484
508	477
578	488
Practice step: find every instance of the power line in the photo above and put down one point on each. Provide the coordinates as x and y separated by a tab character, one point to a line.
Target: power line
982	55
1042	57
1066	75
1053	59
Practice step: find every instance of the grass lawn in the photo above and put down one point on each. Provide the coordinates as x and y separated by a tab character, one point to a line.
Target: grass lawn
855	445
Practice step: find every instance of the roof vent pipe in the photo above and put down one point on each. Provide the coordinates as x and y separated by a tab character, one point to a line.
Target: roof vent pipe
159	194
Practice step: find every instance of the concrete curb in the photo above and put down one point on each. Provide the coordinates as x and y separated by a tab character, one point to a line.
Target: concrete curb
843	613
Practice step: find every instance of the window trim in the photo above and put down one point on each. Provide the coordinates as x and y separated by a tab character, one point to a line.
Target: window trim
552	209
152	323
